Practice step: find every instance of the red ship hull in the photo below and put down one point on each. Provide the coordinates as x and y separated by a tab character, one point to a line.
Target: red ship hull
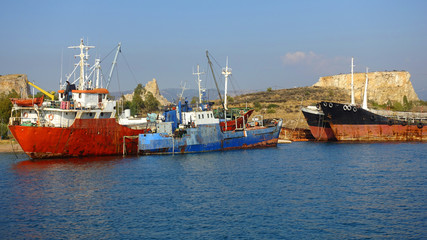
86	137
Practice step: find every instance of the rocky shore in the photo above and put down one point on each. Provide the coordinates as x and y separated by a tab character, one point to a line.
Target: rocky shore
9	146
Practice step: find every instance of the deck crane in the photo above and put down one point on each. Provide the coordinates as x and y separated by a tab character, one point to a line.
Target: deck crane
50	95
113	65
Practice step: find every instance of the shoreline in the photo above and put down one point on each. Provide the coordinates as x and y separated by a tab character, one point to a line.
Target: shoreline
9	146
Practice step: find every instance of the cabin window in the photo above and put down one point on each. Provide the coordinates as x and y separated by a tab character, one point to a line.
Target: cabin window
203	116
90	114
62	95
80	95
102	114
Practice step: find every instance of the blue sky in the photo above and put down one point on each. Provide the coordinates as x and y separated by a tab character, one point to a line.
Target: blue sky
278	44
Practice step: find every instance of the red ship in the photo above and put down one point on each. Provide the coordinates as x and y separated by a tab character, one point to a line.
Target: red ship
81	123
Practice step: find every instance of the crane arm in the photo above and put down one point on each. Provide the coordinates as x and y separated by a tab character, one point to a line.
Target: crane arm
41	90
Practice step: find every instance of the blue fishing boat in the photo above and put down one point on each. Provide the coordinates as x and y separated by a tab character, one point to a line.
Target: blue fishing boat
184	130
199	131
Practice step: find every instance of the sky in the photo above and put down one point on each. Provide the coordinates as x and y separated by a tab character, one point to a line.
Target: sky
277	44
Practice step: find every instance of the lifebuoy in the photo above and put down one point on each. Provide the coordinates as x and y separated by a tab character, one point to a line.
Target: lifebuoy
25	115
50	117
420	125
79	105
241	112
100	104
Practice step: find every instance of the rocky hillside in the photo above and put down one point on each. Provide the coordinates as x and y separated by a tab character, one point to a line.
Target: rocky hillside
154	89
15	81
287	103
382	86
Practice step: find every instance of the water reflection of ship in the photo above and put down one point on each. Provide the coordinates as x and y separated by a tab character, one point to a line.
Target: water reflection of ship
74	163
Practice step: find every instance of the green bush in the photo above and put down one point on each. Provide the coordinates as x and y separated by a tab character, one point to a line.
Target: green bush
271	110
272	105
257	106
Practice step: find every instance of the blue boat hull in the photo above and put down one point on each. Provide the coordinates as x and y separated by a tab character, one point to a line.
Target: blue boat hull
206	138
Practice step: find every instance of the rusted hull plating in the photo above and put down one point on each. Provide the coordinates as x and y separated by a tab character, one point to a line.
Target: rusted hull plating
86	137
379	133
352	123
319	128
206	138
323	133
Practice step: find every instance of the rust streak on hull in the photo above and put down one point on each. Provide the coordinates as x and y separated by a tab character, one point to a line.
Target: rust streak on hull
379	132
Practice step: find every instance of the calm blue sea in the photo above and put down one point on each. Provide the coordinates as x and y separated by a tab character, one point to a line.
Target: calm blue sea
295	191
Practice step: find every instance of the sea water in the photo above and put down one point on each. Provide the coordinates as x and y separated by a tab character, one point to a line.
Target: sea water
294	191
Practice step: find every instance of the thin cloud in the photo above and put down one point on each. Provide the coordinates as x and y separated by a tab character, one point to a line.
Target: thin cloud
299	57
316	62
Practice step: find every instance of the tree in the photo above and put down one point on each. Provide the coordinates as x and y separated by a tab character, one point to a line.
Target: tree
137	103
151	103
5	109
269	89
194	100
6	105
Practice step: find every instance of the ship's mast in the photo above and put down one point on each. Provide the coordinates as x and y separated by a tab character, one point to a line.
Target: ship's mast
226	72
83	58
365	96
352	83
198	82
97	72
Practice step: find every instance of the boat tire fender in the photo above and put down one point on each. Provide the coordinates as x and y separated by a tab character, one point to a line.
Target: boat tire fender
420	125
354	109
372	118
404	123
331	105
325	104
390	122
